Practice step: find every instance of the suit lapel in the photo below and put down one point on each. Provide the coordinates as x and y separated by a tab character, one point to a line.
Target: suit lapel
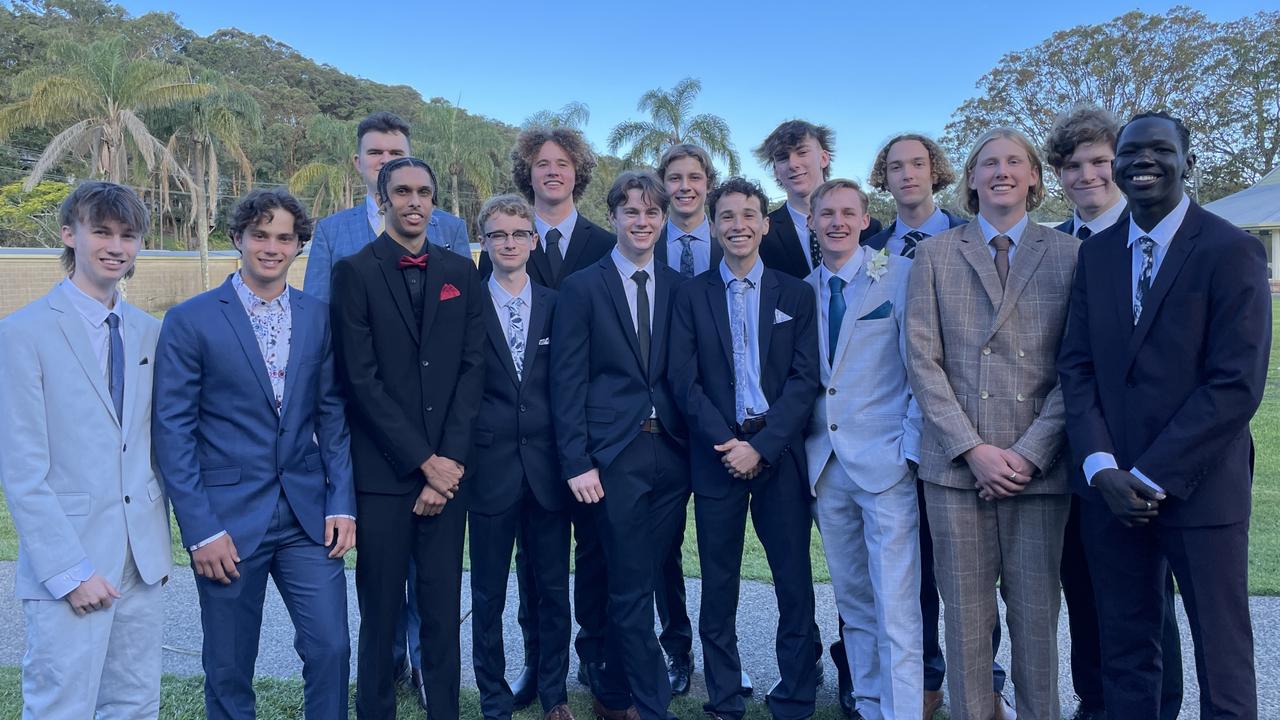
1180	248
974	250
861	286
769	294
719	304
790	240
613	282
73	329
660	250
540	268
537	323
233	311
432	283
1030	252
299	338
498	338
388	257
1118	266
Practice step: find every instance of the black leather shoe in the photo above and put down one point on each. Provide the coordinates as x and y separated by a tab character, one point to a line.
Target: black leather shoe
419	687
524	688
844	681
847	704
747	689
1084	712
678	673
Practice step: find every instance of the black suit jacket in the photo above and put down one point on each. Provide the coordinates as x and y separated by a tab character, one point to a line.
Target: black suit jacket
703	379
600	392
881	238
1173	395
514	439
412	391
588	243
660	250
780	248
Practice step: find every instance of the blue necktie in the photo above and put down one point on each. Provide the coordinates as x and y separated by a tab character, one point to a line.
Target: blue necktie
835	315
686	255
115	362
738	330
1148	247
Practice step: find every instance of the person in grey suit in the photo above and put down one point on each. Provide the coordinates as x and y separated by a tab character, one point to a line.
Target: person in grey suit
862	448
91	517
985	314
380	137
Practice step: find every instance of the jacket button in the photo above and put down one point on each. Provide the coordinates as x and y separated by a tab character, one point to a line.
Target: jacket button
126	500
281	432
986	351
425	363
831	391
523	409
1021	397
834	427
983	395
1130	383
125	448
1022	353
428	408
524	441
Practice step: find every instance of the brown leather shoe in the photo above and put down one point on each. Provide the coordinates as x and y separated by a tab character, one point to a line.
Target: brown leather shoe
559	712
1004	711
604	713
932	703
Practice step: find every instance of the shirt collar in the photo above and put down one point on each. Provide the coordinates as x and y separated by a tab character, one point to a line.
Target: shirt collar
849	270
371	209
94	312
702	232
1014	233
1164	230
627	268
935	224
1103	221
502	297
565	227
755	274
797	217
248	299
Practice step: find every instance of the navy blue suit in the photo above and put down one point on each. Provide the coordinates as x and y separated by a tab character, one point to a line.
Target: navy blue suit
517	489
602	396
1171	396
587	243
704	383
231	463
879	239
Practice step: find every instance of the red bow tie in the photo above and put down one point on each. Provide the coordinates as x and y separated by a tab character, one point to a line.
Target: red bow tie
408	261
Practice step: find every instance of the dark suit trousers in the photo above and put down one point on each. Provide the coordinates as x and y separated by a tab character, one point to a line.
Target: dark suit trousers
314	589
1130	567
546	537
646	490
388	533
1082	614
780	510
935	665
527	611
590	590
673	614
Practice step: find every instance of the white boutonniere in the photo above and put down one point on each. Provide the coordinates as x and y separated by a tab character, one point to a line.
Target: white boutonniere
878	265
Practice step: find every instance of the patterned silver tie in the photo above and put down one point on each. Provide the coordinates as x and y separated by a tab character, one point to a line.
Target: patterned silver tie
515	335
1144	275
686	255
738	329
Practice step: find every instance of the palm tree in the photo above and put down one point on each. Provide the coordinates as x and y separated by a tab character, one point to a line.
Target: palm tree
574	115
330	181
463	148
672	122
95	94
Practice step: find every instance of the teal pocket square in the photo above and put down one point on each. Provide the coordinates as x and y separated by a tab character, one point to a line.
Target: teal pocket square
880	313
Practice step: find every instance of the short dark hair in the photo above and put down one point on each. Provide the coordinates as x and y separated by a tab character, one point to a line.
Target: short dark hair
684	150
1084	123
384	176
529	143
741	186
1184	135
260	204
96	200
789	136
942	175
646	182
381	122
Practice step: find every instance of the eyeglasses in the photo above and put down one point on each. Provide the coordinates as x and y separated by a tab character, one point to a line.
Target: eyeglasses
499	237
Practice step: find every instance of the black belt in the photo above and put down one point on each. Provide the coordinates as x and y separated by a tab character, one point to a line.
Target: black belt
651	425
751	426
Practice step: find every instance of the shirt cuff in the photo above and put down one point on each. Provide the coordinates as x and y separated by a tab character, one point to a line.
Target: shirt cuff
1147	481
206	541
352	518
1098	462
61	585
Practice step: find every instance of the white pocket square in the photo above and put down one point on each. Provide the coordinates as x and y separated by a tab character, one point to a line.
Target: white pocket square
780	317
545	341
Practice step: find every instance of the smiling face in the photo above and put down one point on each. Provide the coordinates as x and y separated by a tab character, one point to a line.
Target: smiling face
739	225
1150	165
376	149
1002	176
686	182
637	222
553	175
105	250
508	239
267	249
839	220
407	207
1086	178
909	173
799	170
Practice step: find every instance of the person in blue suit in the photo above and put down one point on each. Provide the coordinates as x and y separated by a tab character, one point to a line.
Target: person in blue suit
252	441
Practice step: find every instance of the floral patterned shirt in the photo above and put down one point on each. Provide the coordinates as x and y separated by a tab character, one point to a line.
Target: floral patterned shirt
272	324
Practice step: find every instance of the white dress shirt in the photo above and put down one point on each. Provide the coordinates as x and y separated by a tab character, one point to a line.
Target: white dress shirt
565	227
801	221
701	246
1104	220
626	268
756	404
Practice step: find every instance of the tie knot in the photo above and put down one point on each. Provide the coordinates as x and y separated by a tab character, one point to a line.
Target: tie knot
1001	243
553	236
515	304
113	321
640	277
914	236
837	284
741	285
1083	232
686	239
1146	243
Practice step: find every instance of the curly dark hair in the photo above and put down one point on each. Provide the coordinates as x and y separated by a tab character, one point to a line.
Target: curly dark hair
939	165
530	142
1081	124
789	135
742	186
260	204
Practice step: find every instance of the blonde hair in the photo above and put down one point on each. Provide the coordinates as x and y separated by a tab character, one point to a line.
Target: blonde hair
830	186
1035	195
508	204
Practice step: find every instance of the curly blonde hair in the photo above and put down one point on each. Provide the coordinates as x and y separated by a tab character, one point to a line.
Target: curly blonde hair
940	170
1035	195
530	142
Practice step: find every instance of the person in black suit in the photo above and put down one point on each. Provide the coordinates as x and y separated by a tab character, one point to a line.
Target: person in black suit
1163	365
913	168
621	438
1080	148
517	484
744	365
552	168
409	335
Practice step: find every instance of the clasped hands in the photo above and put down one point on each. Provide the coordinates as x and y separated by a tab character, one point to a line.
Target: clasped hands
1132	501
741	460
998	473
443	476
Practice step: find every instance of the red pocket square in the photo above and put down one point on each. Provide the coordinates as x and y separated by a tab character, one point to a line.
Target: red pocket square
449	292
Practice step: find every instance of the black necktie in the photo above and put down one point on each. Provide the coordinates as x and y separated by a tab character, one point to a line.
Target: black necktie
553	251
1083	232
641	278
909	242
115	362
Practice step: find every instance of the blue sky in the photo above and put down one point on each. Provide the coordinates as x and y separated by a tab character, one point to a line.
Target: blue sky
868	72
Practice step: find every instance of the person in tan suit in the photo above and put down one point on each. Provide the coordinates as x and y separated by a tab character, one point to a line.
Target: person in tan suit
986	310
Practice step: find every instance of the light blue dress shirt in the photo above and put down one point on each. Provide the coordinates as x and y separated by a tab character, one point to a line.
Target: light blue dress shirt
935	224
501	297
847	272
1014	234
701	246
756	404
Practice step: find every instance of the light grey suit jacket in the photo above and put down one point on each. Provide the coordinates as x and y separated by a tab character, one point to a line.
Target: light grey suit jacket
79	482
347	232
982	357
865	413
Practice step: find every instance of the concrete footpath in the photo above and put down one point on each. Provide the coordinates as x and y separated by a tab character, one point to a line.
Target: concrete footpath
756	624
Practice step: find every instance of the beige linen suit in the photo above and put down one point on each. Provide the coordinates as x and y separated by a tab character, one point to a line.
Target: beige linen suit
981	362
